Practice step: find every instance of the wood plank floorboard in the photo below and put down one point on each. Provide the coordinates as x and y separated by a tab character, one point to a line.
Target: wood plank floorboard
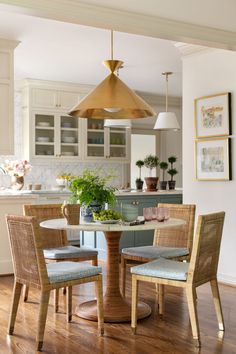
172	334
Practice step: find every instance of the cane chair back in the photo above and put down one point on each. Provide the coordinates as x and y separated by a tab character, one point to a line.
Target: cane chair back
206	250
49	238
28	259
181	236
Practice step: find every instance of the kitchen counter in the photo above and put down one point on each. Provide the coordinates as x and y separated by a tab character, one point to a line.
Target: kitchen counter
34	193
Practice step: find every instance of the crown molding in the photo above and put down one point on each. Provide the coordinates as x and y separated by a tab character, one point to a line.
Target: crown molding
8	44
102	17
191	49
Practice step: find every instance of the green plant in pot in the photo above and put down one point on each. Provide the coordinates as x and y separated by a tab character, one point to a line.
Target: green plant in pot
139	181
92	192
163	166
151	162
172	172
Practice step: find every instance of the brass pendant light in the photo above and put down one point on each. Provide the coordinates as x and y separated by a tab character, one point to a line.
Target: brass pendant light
112	98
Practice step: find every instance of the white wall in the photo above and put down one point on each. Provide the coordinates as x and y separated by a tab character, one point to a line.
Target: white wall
204	74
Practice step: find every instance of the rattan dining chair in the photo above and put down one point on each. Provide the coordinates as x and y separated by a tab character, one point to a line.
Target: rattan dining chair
167	243
201	269
30	269
55	244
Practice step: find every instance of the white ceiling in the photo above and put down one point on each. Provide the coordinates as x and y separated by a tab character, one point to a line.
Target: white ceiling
53	50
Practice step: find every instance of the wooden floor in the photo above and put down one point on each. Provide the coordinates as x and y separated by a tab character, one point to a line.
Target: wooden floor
172	334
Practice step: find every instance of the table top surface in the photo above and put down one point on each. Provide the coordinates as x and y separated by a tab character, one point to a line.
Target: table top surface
61	224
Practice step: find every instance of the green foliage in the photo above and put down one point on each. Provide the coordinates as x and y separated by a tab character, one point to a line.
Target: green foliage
163	167
90	187
172	172
139	164
171	160
151	161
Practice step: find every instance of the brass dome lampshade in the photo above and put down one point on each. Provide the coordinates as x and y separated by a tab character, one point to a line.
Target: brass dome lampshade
112	98
167	120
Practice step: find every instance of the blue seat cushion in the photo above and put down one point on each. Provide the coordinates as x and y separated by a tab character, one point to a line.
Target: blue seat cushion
65	271
153	252
68	252
163	268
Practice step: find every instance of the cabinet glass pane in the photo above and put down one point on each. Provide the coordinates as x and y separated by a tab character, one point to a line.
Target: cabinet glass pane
95	138
44	134
69	136
117	142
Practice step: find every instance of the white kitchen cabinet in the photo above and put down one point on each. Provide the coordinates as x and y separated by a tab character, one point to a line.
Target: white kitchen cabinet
49	133
7	96
10	204
46	98
111	144
55	135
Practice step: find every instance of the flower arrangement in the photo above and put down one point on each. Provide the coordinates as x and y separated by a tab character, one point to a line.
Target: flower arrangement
16	168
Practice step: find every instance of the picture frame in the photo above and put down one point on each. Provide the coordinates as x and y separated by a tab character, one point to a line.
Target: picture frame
213	159
213	115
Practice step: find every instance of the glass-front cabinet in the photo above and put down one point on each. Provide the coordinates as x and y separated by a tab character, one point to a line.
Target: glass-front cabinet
106	143
55	135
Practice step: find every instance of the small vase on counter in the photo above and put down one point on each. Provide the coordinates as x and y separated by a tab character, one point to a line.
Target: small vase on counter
17	182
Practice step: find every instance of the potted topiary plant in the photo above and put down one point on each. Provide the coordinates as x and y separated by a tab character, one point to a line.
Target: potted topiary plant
172	171
163	166
151	162
92	192
139	181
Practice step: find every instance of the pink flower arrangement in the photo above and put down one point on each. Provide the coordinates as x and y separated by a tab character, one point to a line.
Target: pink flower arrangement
16	168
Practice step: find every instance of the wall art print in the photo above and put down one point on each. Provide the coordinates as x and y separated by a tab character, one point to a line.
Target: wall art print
212	159
213	115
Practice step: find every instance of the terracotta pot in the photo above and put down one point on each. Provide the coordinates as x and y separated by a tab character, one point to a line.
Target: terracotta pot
163	185
171	184
151	183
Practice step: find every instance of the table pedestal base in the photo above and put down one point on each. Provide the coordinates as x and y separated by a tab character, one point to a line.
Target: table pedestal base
116	310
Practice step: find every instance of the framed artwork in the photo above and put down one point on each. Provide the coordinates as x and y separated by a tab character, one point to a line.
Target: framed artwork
213	115
213	160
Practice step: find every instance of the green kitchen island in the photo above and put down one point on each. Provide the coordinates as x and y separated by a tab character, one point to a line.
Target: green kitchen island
96	239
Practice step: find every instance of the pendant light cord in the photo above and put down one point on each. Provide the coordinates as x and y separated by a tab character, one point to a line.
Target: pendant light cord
111	44
166	92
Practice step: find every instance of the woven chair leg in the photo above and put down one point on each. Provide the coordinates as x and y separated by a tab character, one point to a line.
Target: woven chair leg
161	299
134	304
217	303
123	275
25	293
192	308
56	300
14	306
99	294
43	309
69	304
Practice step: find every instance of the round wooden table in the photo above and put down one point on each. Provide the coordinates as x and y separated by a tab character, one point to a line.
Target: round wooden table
116	307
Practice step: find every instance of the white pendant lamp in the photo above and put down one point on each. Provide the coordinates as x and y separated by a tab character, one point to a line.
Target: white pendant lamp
167	120
117	123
